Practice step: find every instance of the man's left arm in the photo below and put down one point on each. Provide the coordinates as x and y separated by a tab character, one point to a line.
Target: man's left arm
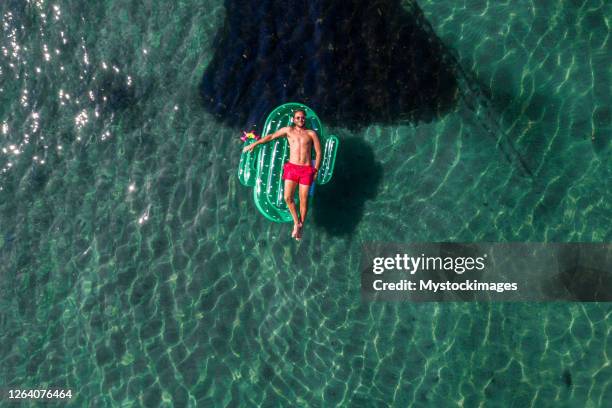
317	146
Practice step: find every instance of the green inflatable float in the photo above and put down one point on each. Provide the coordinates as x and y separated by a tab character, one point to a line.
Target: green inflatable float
263	168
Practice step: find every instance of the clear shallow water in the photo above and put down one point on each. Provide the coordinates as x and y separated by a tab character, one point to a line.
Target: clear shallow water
136	270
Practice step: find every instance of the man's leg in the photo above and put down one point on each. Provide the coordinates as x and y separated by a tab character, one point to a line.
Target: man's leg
303	205
290	187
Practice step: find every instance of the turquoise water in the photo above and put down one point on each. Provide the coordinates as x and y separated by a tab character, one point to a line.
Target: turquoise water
135	270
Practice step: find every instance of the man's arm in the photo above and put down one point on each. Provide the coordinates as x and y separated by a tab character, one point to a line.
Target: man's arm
282	132
317	146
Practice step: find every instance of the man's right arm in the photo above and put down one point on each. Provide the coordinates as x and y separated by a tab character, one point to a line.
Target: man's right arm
279	133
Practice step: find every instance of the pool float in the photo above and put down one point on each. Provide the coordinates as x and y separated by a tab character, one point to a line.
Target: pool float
263	168
249	135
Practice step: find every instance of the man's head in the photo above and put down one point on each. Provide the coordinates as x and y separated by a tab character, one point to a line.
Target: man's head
299	118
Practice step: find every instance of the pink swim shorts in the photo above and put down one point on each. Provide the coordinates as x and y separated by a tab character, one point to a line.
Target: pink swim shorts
300	174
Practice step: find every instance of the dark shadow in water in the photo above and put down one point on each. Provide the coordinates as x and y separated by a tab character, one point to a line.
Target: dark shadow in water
580	276
584	275
602	123
354	63
586	284
338	206
113	91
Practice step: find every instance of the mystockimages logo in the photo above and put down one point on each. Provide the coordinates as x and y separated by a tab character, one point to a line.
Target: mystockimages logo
504	271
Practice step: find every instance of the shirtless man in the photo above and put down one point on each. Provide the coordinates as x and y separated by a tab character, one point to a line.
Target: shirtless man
298	170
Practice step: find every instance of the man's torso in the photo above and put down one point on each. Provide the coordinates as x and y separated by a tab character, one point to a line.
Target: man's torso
300	146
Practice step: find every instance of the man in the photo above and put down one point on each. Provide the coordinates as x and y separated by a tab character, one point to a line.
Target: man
298	170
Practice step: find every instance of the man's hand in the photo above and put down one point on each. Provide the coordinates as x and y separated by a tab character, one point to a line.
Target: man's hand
316	174
248	148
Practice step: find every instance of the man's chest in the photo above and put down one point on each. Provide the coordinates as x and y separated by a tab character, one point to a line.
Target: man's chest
298	138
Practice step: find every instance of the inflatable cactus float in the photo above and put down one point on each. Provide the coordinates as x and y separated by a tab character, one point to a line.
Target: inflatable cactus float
262	169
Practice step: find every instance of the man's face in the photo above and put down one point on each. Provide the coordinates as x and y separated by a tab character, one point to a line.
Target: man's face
299	118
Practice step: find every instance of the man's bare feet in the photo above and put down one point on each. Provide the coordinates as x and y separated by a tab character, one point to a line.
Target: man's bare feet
296	229
297	232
